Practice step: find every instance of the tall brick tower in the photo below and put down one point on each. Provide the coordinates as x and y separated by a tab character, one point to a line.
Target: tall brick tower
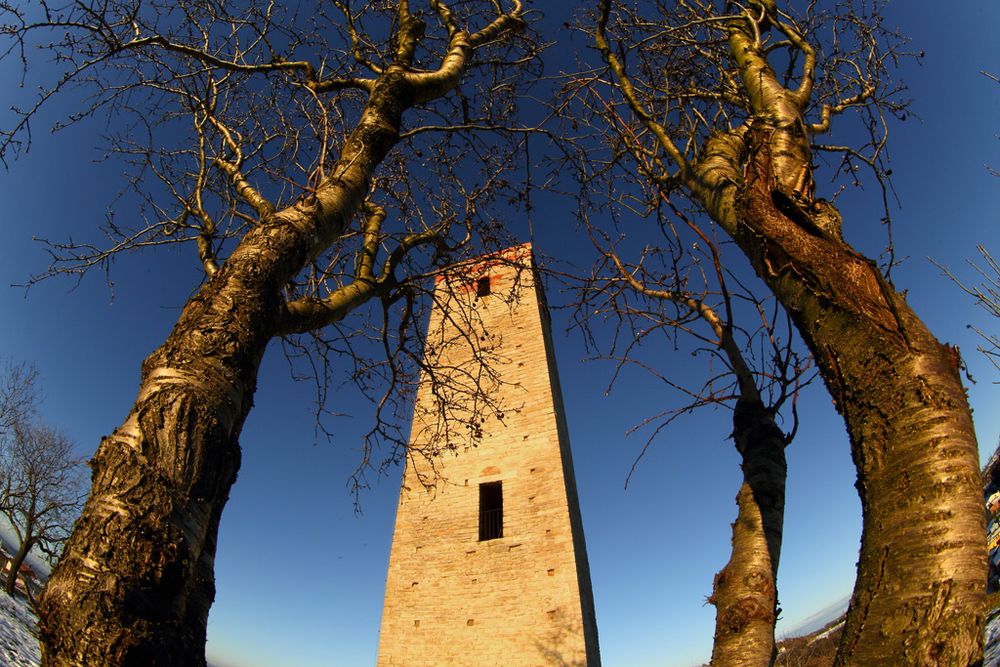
488	564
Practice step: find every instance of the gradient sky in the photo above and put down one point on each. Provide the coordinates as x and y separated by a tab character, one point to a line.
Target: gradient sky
301	575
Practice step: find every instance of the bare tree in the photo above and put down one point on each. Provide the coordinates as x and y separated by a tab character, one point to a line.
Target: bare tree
319	157
987	296
18	396
727	104
41	491
987	292
672	291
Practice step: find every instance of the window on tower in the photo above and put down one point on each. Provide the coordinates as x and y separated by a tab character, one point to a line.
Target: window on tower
490	511
483	286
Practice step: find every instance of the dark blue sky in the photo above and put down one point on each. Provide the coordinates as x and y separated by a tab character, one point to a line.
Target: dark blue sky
300	575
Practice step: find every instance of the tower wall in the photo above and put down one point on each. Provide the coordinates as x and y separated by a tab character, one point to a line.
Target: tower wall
523	598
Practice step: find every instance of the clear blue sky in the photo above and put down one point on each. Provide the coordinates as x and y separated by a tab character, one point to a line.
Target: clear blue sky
300	575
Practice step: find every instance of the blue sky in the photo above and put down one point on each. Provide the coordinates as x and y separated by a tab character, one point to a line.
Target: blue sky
301	575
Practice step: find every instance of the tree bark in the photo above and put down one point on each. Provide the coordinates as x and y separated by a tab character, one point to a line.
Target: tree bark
921	581
136	579
745	592
919	596
15	567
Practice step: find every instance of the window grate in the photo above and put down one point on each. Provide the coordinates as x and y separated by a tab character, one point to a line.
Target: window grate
490	511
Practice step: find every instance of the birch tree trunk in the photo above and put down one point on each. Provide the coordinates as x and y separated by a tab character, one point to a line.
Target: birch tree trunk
136	580
919	595
919	598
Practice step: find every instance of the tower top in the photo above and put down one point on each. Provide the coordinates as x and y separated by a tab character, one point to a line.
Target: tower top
520	256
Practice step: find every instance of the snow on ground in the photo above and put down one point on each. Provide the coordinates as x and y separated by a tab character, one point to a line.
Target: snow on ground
991	657
18	643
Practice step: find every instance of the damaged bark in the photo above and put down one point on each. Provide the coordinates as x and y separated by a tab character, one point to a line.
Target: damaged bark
136	580
919	595
918	599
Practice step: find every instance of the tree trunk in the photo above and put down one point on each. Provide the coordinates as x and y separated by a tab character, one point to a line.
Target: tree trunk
745	591
136	579
15	567
919	596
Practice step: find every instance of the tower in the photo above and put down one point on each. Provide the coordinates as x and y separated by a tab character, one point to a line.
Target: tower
488	564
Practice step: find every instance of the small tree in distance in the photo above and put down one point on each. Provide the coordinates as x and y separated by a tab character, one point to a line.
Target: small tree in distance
18	395
41	492
41	480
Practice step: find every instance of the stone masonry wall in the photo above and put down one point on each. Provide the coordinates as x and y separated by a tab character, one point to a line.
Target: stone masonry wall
524	598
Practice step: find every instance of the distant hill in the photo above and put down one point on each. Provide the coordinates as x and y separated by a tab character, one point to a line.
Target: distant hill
816	649
818	621
821	632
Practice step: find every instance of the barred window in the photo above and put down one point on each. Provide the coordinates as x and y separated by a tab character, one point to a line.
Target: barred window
490	511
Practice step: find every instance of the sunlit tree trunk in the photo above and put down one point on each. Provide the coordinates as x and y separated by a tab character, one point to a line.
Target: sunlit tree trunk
745	592
919	595
918	599
136	580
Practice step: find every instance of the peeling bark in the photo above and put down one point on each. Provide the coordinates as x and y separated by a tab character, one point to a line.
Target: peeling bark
921	581
919	595
136	580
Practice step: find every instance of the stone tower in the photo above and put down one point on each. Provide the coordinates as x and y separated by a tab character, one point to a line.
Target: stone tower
488	564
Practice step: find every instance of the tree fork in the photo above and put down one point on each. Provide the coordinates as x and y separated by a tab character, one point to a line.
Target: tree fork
137	577
920	591
136	580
